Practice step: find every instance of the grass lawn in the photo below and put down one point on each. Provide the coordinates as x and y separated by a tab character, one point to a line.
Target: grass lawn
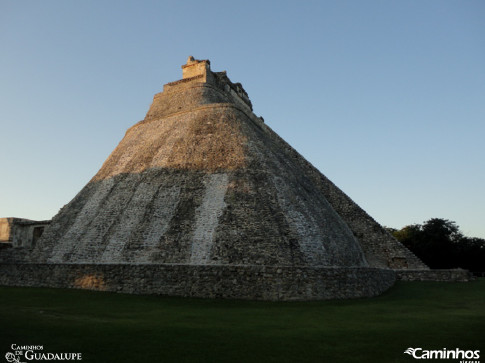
109	327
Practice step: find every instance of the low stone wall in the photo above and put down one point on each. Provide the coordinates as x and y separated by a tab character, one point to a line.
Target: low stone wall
434	275
206	281
11	255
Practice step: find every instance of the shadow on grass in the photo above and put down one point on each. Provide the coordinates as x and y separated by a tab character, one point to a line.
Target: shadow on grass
108	327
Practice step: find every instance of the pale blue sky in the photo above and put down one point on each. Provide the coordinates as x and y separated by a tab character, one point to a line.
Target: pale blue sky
386	98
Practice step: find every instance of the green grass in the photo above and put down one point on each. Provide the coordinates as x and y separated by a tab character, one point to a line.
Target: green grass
108	327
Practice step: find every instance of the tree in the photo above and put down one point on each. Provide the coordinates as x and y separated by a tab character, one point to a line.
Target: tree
440	244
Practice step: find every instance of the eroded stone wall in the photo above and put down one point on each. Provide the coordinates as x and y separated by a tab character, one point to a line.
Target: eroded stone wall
380	248
21	232
5	230
451	275
209	281
205	186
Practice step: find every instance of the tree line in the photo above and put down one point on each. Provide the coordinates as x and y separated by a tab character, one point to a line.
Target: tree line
439	243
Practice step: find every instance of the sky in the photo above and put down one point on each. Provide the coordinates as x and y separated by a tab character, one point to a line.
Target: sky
385	98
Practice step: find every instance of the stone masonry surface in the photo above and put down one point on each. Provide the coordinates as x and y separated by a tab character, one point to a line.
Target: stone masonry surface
203	192
434	275
206	281
258	209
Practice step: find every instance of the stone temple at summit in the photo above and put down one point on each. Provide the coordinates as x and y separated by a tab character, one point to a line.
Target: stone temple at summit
201	198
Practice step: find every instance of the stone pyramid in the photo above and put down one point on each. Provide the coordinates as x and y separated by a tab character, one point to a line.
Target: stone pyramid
203	181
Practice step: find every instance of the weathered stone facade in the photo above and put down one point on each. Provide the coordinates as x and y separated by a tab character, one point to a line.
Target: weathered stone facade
206	281
453	275
21	232
204	187
5	230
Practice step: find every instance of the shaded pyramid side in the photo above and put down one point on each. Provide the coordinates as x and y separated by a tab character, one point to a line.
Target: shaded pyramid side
380	247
